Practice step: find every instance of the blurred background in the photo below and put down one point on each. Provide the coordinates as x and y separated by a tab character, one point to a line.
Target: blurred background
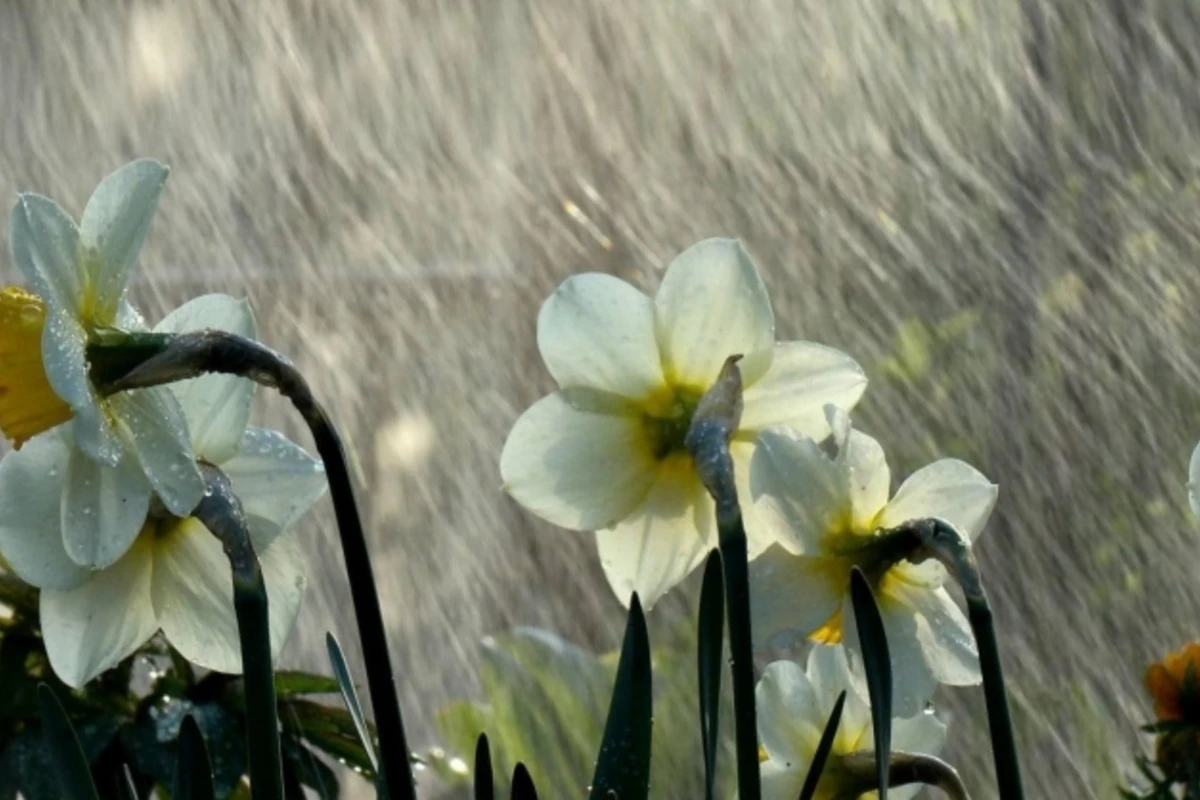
992	204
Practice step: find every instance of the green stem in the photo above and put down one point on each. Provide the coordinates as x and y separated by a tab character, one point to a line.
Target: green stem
221	513
193	354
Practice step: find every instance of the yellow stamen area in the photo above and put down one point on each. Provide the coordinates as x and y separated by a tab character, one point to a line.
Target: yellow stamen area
833	631
28	405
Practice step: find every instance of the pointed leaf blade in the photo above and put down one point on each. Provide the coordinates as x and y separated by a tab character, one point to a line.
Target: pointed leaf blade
522	784
878	666
70	767
711	632
485	787
824	747
193	770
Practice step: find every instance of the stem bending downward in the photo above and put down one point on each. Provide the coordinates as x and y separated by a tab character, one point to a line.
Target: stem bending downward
188	355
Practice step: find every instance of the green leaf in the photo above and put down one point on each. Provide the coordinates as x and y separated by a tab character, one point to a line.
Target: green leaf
878	666
710	646
522	784
70	766
350	697
623	766
331	730
150	742
824	747
193	770
305	767
126	789
289	684
485	784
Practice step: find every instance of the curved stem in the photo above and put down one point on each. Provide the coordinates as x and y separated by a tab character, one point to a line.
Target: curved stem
905	769
190	354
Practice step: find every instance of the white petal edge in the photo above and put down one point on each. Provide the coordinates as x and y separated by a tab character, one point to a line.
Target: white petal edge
579	459
31	483
102	509
663	540
912	682
64	356
790	721
597	331
217	407
800	495
45	245
948	489
94	627
803	378
114	227
712	304
275	478
157	432
868	478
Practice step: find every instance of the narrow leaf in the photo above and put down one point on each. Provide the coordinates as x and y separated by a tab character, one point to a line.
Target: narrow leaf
711	633
289	683
350	696
878	666
623	766
522	784
70	767
485	787
126	788
193	769
823	749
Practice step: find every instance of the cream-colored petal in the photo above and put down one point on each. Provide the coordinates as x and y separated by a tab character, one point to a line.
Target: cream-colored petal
924	734
664	539
114	227
1194	481
790	718
865	471
216	406
158	434
31	541
913	683
758	536
712	304
804	377
800	495
829	672
782	780
285	575
103	509
94	627
45	245
949	489
64	354
944	633
792	596
275	478
579	458
597	331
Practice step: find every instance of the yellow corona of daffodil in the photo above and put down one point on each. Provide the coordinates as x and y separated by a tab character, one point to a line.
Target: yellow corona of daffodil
126	447
828	514
606	452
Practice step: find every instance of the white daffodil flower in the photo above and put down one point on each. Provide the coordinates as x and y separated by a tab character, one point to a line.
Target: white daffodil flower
793	708
174	575
126	446
828	516
606	452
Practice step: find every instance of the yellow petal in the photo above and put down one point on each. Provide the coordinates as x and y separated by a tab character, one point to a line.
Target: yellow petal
28	405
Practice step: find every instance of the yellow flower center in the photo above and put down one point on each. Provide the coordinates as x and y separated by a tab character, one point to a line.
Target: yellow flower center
28	405
871	553
667	417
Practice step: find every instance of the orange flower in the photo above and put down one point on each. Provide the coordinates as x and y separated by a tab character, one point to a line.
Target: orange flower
1174	685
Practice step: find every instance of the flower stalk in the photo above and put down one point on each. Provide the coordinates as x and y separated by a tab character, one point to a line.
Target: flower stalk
716	419
905	769
190	355
221	512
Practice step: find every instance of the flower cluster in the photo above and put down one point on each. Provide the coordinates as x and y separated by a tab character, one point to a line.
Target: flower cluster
606	453
96	501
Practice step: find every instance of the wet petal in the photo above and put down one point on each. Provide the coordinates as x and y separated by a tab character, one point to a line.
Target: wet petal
94	627
829	672
866	473
712	304
944	633
64	352
949	489
597	331
217	407
782	780
792	594
31	540
912	682
804	377
664	539
579	459
102	508
790	720
275	478
114	227
158	432
45	245
759	536
799	493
